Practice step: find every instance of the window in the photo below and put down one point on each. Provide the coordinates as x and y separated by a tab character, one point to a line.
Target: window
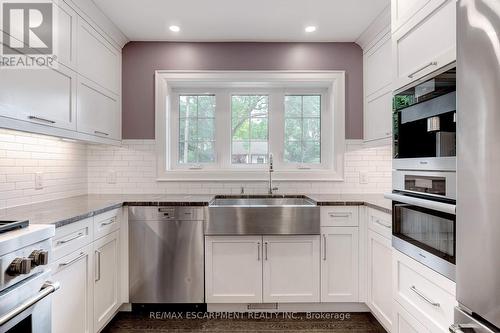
223	125
196	129
249	128
303	129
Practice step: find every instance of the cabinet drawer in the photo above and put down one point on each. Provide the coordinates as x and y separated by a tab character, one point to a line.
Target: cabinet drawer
424	293
404	322
425	47
71	237
340	216
380	222
106	223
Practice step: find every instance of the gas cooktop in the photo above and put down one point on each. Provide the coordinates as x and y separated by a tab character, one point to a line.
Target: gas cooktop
12	225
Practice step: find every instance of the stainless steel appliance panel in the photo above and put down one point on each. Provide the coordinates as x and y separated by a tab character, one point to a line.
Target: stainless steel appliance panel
166	255
247	220
478	169
438	184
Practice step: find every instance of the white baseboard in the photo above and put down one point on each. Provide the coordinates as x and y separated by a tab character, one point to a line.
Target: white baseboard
291	307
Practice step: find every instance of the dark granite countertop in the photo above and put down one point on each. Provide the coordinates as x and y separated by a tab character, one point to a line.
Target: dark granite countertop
65	211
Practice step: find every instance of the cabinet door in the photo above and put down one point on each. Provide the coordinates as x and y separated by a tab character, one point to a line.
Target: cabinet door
65	34
72	303
378	116
98	112
106	261
339	264
424	46
233	269
291	269
98	60
403	10
404	322
377	66
380	278
42	96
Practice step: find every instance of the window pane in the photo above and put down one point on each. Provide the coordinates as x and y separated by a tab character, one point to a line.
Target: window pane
293	151
293	129
206	106
312	106
311	129
258	127
250	129
311	152
303	129
196	129
293	106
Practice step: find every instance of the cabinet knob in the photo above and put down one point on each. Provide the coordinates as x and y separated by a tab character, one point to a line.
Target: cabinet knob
19	266
39	257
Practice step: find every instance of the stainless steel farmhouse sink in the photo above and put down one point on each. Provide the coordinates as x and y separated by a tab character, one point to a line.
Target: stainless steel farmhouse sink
262	215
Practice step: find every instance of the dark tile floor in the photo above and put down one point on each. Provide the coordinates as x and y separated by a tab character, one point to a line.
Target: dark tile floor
141	322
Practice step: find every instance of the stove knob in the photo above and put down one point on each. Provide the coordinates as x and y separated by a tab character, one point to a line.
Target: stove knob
39	257
19	266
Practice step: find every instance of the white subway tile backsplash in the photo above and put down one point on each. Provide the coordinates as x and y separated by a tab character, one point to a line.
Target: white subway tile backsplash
135	165
63	164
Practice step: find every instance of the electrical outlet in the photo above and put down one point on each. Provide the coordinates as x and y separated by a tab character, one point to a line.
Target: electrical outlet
38	180
363	177
111	178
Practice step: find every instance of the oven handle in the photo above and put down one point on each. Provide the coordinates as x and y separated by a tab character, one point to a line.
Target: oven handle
429	204
47	289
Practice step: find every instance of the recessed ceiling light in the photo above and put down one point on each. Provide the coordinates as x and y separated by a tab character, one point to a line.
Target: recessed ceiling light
174	28
310	28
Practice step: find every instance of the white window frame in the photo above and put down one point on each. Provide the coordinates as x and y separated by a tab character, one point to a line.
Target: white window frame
169	84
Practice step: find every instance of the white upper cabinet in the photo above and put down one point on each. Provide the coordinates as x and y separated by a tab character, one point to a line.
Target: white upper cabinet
42	96
65	34
425	43
340	264
98	60
403	10
377	66
233	269
98	111
291	269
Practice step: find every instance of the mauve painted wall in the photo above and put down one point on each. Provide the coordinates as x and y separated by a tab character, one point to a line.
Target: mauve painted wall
141	59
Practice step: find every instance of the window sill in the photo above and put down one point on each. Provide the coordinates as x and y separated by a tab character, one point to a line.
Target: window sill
249	175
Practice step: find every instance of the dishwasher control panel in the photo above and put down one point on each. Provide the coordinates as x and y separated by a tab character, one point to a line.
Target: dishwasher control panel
174	213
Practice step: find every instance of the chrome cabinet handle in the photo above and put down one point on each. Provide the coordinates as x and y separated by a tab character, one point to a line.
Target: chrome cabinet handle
41	119
425	298
98	263
64	241
258	251
108	223
377	221
339	214
324	247
101	133
432	63
82	254
47	289
265	250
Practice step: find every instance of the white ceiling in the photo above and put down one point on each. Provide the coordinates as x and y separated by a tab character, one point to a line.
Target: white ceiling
242	20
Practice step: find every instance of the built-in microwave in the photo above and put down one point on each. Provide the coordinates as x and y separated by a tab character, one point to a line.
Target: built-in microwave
424	123
425	230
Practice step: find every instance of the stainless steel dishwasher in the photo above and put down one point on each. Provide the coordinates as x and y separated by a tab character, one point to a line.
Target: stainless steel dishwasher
166	262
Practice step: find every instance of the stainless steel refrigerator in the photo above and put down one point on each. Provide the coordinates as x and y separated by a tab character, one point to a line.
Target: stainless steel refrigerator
478	166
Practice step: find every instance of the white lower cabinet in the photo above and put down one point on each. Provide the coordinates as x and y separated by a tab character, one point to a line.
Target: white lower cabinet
291	269
380	278
256	269
404	322
340	264
72	303
233	269
106	260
